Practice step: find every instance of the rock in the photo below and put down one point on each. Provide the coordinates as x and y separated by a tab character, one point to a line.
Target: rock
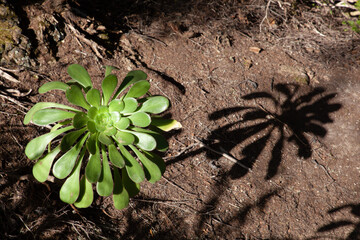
14	46
297	74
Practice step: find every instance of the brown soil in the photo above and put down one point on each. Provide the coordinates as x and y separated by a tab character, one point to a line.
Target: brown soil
273	85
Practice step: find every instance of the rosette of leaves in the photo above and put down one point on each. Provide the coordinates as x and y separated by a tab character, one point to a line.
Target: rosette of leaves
109	141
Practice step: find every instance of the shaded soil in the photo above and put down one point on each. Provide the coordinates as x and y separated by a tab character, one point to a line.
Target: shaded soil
272	86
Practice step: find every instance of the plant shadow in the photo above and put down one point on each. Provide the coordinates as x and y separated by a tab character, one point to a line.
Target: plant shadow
292	116
289	114
333	226
150	218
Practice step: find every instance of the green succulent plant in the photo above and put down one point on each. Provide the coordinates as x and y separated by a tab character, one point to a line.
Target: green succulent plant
115	127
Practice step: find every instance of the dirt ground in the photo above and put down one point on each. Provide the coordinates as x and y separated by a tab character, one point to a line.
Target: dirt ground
267	92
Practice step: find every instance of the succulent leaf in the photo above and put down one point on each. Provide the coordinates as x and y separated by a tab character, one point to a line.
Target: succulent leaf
93	97
76	97
36	147
51	115
65	164
91	143
80	75
105	139
115	156
105	184
130	105
93	168
70	138
139	89
91	126
93	111
116	105
131	187
42	168
140	119
55	85
120	194
165	124
155	104
124	138
143	140
152	171
110	131
123	123
156	159
132	166
70	190
43	105
108	70
60	124
161	143
115	117
108	87
80	120
131	78
86	195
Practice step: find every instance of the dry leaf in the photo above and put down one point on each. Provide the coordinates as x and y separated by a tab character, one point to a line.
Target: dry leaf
255	49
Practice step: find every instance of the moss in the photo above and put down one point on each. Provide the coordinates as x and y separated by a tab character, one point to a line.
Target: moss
9	31
8	34
303	80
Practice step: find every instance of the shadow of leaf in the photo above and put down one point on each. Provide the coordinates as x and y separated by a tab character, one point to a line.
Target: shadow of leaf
291	113
334	225
355	211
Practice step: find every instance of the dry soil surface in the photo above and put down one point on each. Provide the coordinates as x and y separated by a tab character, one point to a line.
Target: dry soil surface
268	96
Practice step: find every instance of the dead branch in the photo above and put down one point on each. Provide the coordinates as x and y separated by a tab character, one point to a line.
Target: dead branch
225	155
266	13
94	46
8	76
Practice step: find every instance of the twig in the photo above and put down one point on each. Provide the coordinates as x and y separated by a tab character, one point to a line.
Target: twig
13	101
10	70
266	13
176	185
227	156
15	139
24	223
40	74
9	114
287	127
17	93
92	44
149	37
317	31
181	152
74	224
107	214
168	203
162	92
8	77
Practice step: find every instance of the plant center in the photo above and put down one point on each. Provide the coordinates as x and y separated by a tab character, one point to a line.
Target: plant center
103	119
